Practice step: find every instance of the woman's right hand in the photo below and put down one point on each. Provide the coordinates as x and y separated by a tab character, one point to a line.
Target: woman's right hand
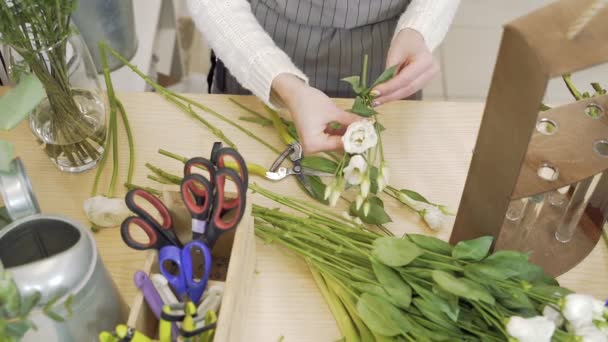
312	111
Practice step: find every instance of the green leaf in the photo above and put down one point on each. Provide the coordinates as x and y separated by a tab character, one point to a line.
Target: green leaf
54	316
373	177
319	164
257	120
377	214
395	252
18	329
318	188
462	287
29	303
430	311
475	249
431	244
355	83
385	76
399	292
373	289
414	195
360	108
447	303
18	103
68	304
550	291
514	298
381	316
379	127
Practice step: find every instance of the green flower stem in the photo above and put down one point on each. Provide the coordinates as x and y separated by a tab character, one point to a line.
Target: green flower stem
113	124
252	168
172	97
150	190
247	109
225	119
571	87
335	306
364	72
280	126
158	179
165	175
125	121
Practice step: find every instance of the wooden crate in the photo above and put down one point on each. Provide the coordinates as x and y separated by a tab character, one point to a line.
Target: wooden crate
238	248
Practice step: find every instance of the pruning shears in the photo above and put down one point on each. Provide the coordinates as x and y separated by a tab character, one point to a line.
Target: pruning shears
294	153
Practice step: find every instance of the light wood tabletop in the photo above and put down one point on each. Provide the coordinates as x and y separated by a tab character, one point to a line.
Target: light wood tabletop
428	145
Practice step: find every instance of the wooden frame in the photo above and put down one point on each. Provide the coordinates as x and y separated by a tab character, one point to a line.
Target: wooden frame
239	247
509	150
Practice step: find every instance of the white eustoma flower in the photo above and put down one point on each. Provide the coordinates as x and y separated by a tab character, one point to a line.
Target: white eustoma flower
599	310
359	137
535	329
106	212
433	217
578	309
553	315
354	173
590	333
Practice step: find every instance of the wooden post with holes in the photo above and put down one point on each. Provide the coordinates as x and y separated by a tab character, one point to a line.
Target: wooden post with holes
513	159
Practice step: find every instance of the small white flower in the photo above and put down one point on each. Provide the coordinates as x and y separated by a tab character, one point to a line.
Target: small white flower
356	169
535	329
553	315
433	217
359	201
106	212
590	333
360	136
578	309
366	208
365	186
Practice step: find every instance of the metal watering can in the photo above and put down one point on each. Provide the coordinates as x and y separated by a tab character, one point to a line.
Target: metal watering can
56	256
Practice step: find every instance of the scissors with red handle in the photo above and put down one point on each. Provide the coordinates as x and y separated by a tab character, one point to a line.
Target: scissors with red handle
159	232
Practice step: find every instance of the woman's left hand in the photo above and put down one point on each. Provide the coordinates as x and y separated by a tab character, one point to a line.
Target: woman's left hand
416	67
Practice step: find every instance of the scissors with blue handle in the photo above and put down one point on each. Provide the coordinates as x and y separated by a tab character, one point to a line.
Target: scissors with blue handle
160	233
185	278
213	213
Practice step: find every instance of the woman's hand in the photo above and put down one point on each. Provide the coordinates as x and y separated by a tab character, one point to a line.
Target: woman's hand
312	111
416	67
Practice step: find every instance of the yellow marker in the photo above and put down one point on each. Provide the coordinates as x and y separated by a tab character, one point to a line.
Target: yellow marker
126	333
210	318
105	336
188	325
164	326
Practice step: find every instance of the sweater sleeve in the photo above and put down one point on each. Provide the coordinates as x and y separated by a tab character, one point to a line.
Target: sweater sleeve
243	45
432	18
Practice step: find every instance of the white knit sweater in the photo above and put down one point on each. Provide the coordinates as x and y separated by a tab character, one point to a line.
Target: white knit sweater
252	56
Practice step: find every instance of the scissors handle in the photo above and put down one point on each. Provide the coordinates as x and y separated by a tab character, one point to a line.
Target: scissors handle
197	193
168	255
227	212
164	227
223	158
200	163
195	285
154	241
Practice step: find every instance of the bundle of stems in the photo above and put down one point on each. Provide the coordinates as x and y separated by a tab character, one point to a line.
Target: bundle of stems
415	288
39	31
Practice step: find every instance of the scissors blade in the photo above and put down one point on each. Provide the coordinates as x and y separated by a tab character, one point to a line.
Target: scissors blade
279	174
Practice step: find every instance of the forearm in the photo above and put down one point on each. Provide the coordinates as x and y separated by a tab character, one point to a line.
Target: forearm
242	44
432	18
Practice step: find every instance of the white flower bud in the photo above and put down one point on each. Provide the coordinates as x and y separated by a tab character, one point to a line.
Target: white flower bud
384	171
328	190
364	187
578	309
366	208
356	169
359	201
553	315
433	217
358	221
106	212
535	329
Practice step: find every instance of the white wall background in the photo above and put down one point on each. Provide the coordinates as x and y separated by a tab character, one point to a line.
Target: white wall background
468	53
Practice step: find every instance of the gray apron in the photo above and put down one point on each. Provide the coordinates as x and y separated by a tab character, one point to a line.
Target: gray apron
326	39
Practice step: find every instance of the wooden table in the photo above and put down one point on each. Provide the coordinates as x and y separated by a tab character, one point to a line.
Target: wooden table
428	145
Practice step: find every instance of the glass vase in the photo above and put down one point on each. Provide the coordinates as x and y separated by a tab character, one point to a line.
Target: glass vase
70	123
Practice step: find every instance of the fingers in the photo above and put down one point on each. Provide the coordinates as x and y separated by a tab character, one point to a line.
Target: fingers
408	74
322	143
410	88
